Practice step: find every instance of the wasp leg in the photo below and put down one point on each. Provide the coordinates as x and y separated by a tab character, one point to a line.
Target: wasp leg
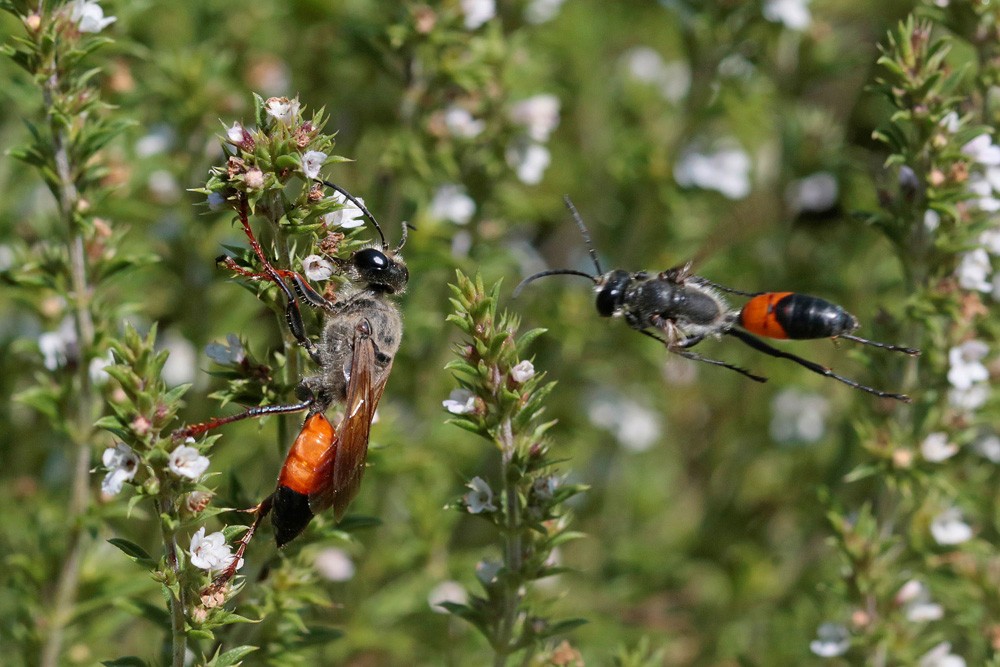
913	352
260	411
761	346
679	349
259	512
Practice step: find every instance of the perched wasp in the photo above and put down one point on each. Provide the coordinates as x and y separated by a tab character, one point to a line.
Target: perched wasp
355	351
680	310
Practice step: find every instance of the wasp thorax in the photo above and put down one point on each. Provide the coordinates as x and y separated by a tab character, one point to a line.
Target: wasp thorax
380	271
611	292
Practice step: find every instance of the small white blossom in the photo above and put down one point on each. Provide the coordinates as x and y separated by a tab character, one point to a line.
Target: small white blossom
157	141
348	217
89	16
736	66
672	79
813	194
529	161
941	656
969	399
461	123
97	369
545	487
936	447
334	564
798	416
539	115
182	361
974	271
832	640
480	498
57	347
965	364
317	268
487	570
948	528
541	11
451	203
915	598
988	446
122	464
478	12
210	552
990	240
932	220
951	122
460	402
312	162
282	109
186	461
984	189
229	354
983	151
522	372
635	427
793	14
726	170
236	134
446	591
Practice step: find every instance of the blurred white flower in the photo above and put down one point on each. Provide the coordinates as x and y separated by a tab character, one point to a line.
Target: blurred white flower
158	140
936	447
334	564
529	161
478	12
348	217
98	374
282	109
984	187
974	271
163	186
635	427
726	170
522	372
210	552
832	640
312	162
965	364
487	570
480	498
89	16
229	354
969	399
813	194
798	416
236	134
948	528
915	599
450	202
736	66
645	65
122	464
539	115
181	363
932	220
540	11
983	150
794	14
57	347
186	461
460	402
461	123
317	268
446	591
941	656
988	446
951	121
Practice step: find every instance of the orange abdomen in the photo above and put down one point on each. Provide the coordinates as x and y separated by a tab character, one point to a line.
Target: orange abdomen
299	471
759	316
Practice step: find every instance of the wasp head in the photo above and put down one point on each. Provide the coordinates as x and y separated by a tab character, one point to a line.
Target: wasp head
611	291
383	271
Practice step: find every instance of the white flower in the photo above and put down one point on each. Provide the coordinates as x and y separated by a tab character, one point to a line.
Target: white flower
538	114
158	140
813	194
948	528
832	640
635	427
451	203
480	498
545	487
312	161
57	347
932	220
941	656
348	217
794	14
727	170
122	464
529	160
915	598
229	354
89	16
182	361
951	122
460	402
974	270
163	186
316	268
736	66
98	375
540	11
969	399
478	12
210	552
282	109
186	461
673	79
522	372
965	364
936	448
334	564
988	446
446	591
983	151
990	240
462	124
984	189
798	416
487	570
236	134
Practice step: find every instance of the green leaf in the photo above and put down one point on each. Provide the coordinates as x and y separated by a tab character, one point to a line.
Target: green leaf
231	657
133	551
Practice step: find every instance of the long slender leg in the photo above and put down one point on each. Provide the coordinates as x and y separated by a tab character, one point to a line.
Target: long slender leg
259	512
761	346
260	411
913	352
304	290
676	349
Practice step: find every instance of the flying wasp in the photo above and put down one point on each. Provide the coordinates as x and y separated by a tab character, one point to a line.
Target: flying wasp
354	354
680	309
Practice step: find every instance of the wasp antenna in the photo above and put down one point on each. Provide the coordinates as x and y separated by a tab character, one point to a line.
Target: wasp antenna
913	352
553	272
354	200
583	230
402	241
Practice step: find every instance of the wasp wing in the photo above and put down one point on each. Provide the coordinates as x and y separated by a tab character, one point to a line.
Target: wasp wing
342	465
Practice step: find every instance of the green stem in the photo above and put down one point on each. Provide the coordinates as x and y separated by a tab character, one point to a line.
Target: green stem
513	548
178	639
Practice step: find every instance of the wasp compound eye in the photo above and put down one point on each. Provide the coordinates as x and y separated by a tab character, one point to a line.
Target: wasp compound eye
371	259
612	293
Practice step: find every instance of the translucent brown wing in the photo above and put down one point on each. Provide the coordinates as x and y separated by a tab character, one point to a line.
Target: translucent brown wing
342	465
